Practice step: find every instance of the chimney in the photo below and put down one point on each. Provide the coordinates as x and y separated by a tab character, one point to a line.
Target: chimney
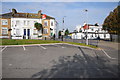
14	11
39	13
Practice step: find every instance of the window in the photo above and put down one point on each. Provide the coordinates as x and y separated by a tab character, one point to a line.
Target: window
28	22
4	22
92	29
4	30
99	29
12	23
92	35
52	23
45	23
35	22
45	31
17	22
80	30
95	35
25	22
17	32
104	35
35	31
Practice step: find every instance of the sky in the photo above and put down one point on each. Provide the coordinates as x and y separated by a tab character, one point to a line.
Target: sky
74	11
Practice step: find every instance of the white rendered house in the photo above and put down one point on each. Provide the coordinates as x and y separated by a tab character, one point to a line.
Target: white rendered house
92	32
22	25
23	28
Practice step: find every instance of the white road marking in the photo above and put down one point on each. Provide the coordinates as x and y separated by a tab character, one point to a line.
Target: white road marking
107	54
63	47
10	64
42	47
4	48
55	45
58	46
24	48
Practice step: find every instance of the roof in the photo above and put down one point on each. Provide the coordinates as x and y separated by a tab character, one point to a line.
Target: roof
6	15
49	17
24	15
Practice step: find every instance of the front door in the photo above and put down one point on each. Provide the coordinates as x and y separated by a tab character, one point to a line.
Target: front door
28	33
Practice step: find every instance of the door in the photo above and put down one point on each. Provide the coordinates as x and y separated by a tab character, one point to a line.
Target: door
26	34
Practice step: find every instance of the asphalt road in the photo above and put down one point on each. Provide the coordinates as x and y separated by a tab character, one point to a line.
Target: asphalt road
57	61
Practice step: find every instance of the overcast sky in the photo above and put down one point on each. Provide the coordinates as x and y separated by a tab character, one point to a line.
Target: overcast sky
74	11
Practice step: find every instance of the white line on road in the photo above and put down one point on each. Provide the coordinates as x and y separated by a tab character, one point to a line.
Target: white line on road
58	46
24	48
4	48
10	64
107	54
42	47
63	47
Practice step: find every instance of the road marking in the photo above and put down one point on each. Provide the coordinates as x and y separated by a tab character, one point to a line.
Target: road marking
4	48
42	47
54	45
10	64
63	47
24	48
58	46
107	54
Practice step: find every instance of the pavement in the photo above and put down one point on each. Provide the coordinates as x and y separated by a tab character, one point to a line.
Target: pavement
58	61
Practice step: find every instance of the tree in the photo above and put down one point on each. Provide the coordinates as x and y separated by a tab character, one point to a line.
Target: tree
112	21
66	32
96	24
38	26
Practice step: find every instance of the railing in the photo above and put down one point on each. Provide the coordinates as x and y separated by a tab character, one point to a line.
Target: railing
90	41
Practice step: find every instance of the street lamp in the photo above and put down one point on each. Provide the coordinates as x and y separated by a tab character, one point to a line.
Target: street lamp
63	28
63	20
87	28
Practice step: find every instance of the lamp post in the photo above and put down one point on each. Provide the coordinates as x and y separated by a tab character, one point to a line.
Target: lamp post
63	20
63	28
87	28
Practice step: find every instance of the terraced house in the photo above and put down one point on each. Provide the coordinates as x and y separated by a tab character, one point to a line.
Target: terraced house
21	25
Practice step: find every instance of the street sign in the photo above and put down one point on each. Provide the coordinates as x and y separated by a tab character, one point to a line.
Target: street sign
44	16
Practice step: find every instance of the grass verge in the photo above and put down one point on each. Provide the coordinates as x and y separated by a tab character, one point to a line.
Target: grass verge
33	41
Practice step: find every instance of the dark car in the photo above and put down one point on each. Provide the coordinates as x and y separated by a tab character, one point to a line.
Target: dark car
67	37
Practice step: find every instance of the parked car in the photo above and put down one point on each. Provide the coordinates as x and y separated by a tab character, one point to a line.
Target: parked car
67	37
